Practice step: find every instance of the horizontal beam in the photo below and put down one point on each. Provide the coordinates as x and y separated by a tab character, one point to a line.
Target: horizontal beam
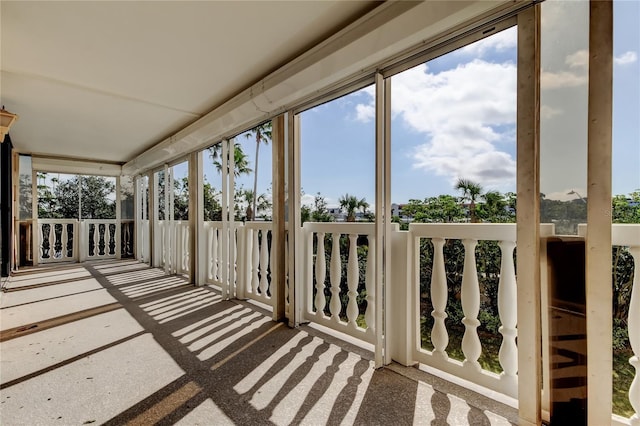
384	33
69	166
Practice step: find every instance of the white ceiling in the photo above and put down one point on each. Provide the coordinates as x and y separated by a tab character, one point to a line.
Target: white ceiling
108	80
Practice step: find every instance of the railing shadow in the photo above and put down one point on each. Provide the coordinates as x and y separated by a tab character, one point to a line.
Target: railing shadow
239	367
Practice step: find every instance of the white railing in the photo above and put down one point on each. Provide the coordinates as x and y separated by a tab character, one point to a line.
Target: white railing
127	230
628	235
180	244
214	247
99	239
143	240
470	297
323	304
254	262
57	240
338	270
171	239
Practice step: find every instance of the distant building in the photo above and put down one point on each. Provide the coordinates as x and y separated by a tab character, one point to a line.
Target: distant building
397	210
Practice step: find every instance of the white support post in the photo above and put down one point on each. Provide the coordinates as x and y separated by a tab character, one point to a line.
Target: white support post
118	232
167	223
379	355
35	224
231	247
224	241
598	243
154	250
197	250
137	224
173	228
296	236
386	217
147	231
528	217
278	230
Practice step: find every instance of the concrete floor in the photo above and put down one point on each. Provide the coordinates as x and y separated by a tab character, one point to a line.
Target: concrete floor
117	342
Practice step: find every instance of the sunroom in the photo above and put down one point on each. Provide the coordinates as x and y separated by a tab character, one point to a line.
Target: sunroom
393	140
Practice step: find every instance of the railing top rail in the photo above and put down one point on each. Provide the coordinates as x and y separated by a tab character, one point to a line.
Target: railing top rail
218	224
477	231
265	226
360	228
45	221
622	234
100	220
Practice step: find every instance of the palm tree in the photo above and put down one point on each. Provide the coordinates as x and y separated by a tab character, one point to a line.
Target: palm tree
351	203
241	162
470	191
495	206
262	134
262	203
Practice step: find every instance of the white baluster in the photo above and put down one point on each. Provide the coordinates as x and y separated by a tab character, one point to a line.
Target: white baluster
439	334
335	276
321	271
507	309
308	271
286	279
185	245
255	262
370	285
95	242
102	237
264	262
41	240
353	276
52	241
470	305
214	254
270	276
64	237
634	336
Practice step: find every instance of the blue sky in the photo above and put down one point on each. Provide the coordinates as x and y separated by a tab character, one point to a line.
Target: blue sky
454	117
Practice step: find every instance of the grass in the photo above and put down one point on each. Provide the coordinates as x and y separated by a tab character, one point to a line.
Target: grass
623	374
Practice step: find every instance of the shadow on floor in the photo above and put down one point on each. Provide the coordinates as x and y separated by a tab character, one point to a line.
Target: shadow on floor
181	354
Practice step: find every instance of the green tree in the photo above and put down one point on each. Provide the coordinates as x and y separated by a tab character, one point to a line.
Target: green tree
470	192
98	198
351	203
319	212
212	206
495	208
262	134
181	199
247	198
46	199
626	209
440	209
241	162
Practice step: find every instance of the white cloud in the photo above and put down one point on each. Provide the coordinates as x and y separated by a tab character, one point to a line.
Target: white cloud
578	63
465	112
307	200
547	112
568	194
579	59
626	58
365	113
555	80
504	40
